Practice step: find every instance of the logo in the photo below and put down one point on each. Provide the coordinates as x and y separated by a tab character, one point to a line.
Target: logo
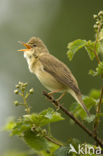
72	149
84	149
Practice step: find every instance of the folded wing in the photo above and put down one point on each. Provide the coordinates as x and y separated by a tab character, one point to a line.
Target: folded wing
60	71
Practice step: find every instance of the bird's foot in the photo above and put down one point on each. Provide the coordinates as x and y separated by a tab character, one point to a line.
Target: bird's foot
57	107
51	95
60	97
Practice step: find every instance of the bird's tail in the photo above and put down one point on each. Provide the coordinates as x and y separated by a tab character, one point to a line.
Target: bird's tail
78	98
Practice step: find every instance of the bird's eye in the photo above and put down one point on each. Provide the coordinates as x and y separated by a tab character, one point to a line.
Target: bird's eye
34	45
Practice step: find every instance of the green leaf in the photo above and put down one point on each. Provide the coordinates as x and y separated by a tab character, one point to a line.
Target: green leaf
10	125
95	93
45	117
51	115
36	142
15	153
90	118
52	149
92	72
21	126
33	121
74	47
29	127
73	149
62	151
99	70
101	35
78	44
90	46
99	115
39	143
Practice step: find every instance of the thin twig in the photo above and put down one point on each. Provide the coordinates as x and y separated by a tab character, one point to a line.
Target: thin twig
100	101
96	122
63	109
95	52
96	42
53	141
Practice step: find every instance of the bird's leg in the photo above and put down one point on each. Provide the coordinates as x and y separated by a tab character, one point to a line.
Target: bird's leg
61	96
51	93
55	91
58	99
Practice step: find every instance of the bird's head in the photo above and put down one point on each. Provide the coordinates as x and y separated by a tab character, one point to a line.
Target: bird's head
34	47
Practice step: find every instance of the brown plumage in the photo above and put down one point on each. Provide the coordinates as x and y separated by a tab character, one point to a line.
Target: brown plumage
51	72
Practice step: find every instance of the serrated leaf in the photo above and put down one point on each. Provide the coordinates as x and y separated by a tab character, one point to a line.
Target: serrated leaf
52	115
20	128
39	143
99	70
33	120
36	142
74	47
78	44
45	117
90	47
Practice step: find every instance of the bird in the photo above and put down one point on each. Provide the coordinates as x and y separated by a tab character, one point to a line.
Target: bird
51	72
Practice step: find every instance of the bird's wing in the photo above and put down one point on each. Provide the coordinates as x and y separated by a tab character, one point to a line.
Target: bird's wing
60	71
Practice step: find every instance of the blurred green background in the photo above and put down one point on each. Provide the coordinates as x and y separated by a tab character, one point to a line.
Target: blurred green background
56	22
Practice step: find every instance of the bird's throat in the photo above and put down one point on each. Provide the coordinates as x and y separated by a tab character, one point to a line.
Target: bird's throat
27	58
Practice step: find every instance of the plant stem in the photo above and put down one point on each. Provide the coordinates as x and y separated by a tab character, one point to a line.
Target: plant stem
96	122
95	48
63	109
53	141
27	108
49	129
100	101
96	55
96	42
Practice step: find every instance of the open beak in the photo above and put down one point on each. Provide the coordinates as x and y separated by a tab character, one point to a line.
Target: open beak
28	47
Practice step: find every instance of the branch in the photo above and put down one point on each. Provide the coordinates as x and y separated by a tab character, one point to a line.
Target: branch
63	109
53	141
96	122
96	42
95	51
100	101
